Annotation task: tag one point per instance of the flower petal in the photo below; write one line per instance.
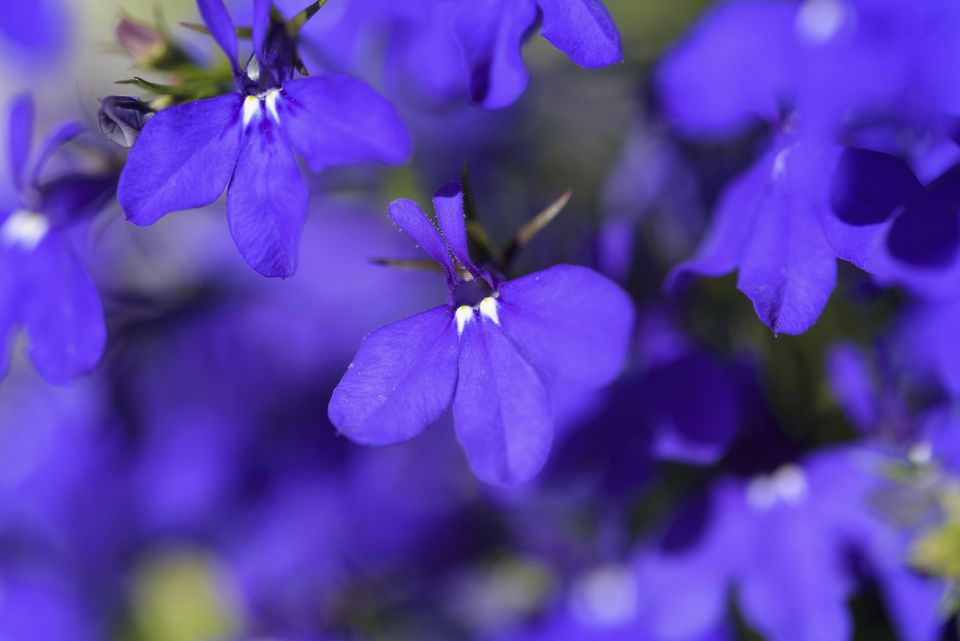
(21, 134)
(491, 34)
(182, 159)
(720, 251)
(62, 313)
(927, 233)
(218, 21)
(869, 186)
(401, 380)
(61, 135)
(716, 81)
(73, 197)
(788, 269)
(501, 408)
(582, 29)
(448, 203)
(572, 323)
(337, 120)
(261, 25)
(267, 202)
(410, 218)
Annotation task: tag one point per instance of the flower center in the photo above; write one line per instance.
(24, 229)
(787, 485)
(254, 105)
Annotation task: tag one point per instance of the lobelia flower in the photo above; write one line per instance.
(829, 63)
(786, 541)
(490, 353)
(431, 41)
(768, 226)
(490, 33)
(186, 155)
(43, 286)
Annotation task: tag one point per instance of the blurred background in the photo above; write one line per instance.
(193, 489)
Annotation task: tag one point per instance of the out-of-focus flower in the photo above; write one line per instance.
(767, 226)
(490, 35)
(431, 42)
(43, 286)
(186, 155)
(35, 32)
(786, 540)
(816, 70)
(488, 349)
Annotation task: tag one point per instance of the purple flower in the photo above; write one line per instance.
(490, 34)
(43, 286)
(768, 227)
(490, 349)
(36, 32)
(186, 155)
(430, 42)
(832, 61)
(786, 541)
(888, 223)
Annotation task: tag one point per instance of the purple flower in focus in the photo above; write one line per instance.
(490, 349)
(186, 155)
(43, 286)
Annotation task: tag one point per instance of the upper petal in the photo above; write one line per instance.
(501, 408)
(217, 19)
(573, 323)
(582, 29)
(60, 136)
(448, 203)
(715, 80)
(21, 134)
(182, 159)
(400, 381)
(410, 218)
(267, 201)
(261, 25)
(490, 34)
(337, 120)
(62, 313)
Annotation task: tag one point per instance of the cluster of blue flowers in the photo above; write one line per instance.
(585, 435)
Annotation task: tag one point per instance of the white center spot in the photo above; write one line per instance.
(921, 454)
(818, 21)
(787, 485)
(606, 597)
(488, 308)
(24, 229)
(251, 109)
(253, 106)
(464, 315)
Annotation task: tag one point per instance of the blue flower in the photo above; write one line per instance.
(768, 227)
(490, 34)
(43, 286)
(784, 540)
(491, 353)
(431, 42)
(186, 155)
